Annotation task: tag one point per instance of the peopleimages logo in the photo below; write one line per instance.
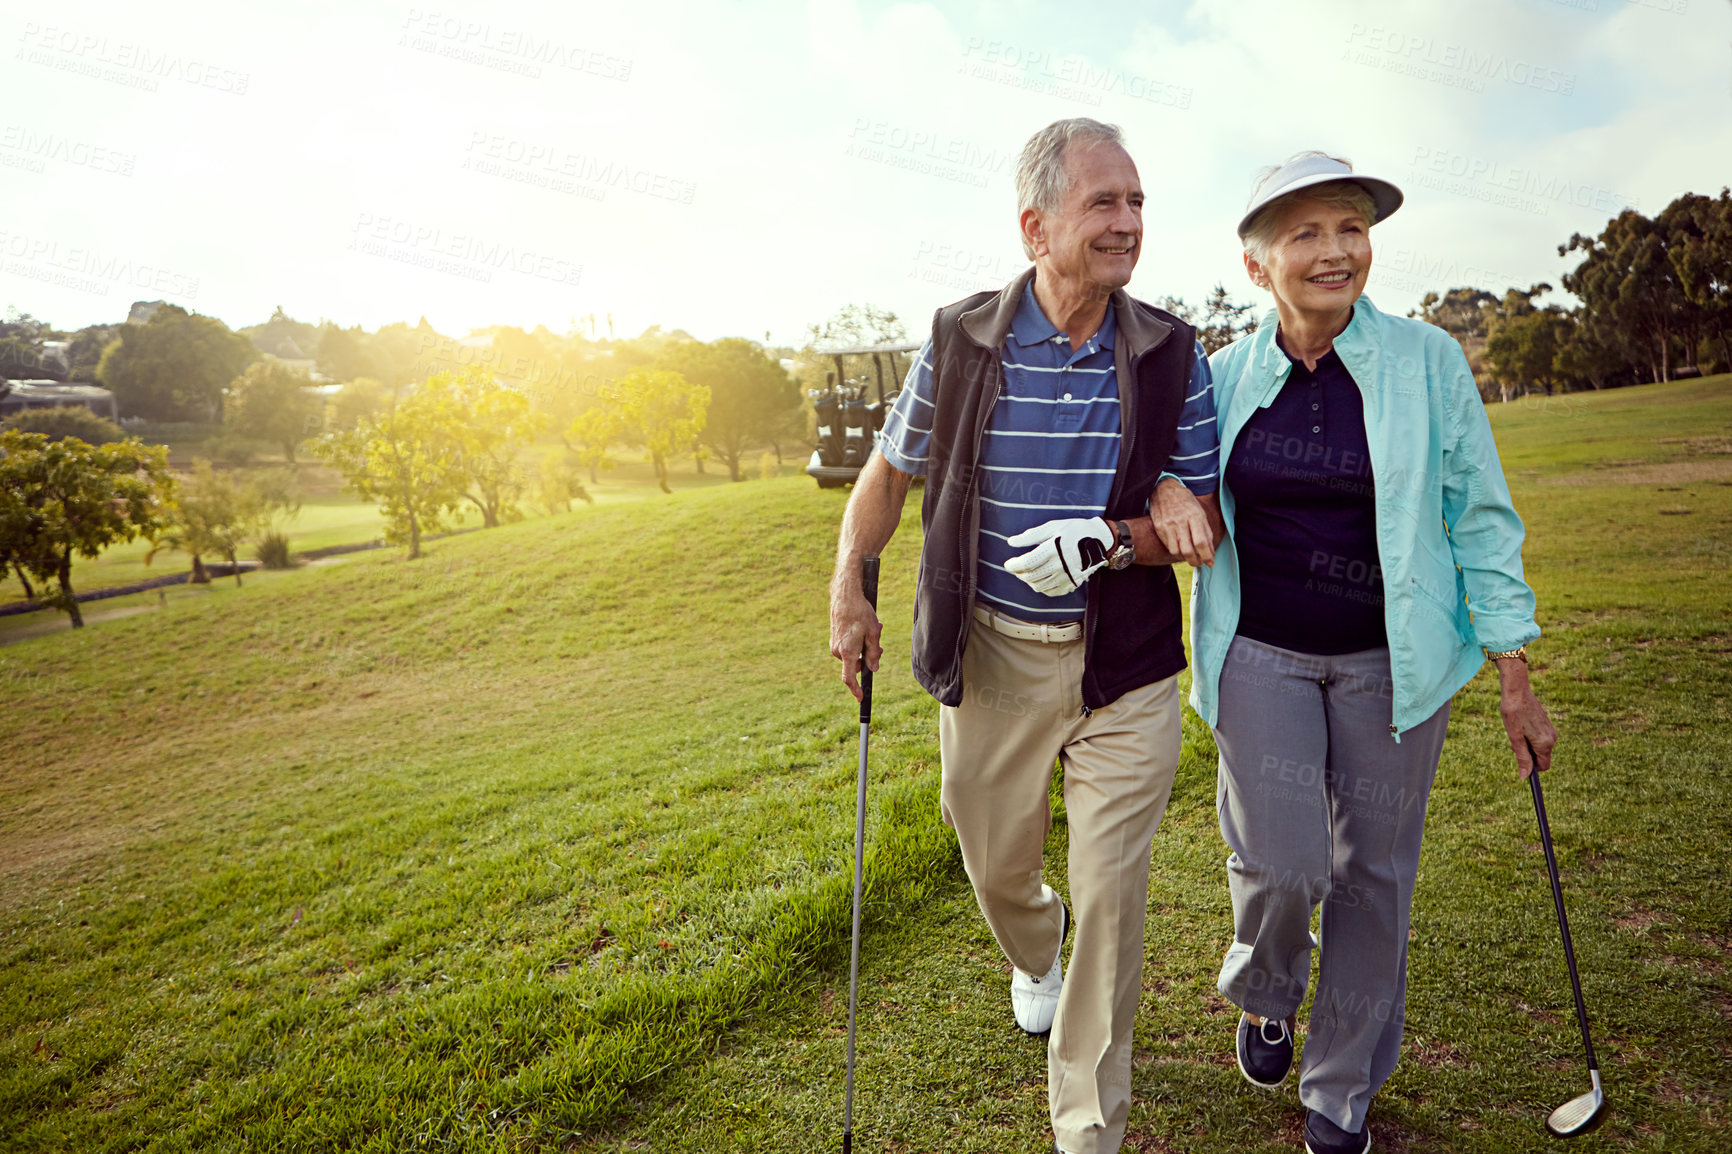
(457, 253)
(1455, 65)
(1513, 185)
(122, 62)
(549, 165)
(89, 269)
(1066, 77)
(39, 147)
(504, 49)
(926, 152)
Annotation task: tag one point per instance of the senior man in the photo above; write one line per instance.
(1066, 433)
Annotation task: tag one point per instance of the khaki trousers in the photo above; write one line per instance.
(1023, 709)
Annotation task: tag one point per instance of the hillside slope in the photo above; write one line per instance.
(543, 841)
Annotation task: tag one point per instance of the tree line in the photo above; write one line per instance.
(255, 382)
(1655, 300)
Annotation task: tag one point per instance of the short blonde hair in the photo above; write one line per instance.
(1344, 193)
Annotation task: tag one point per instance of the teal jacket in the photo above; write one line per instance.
(1448, 539)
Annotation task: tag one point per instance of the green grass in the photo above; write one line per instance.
(542, 842)
(329, 515)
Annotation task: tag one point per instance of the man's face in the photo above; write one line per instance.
(1097, 234)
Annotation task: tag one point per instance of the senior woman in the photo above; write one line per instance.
(1373, 562)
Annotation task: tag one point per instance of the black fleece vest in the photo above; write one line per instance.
(1132, 623)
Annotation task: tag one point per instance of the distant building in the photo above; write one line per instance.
(58, 354)
(16, 396)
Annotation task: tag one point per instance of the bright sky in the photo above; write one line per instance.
(743, 168)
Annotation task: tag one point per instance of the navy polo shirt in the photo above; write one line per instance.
(1305, 521)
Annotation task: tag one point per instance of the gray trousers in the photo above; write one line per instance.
(1322, 806)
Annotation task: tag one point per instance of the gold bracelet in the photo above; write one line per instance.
(1520, 653)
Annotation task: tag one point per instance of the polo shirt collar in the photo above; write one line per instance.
(1030, 325)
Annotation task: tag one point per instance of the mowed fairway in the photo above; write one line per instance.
(542, 843)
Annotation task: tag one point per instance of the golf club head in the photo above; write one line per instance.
(1580, 1114)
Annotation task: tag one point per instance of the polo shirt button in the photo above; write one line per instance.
(1314, 407)
(1316, 428)
(1067, 396)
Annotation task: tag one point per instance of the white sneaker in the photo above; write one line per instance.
(1035, 1000)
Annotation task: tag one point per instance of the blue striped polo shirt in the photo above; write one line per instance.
(1051, 445)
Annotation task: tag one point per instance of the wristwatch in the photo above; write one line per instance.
(1520, 653)
(1124, 552)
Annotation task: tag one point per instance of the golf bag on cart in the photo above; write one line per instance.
(856, 431)
(829, 409)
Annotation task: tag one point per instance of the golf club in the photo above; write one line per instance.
(1586, 1111)
(869, 586)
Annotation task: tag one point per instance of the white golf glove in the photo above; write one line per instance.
(1067, 551)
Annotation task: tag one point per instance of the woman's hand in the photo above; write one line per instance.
(1531, 733)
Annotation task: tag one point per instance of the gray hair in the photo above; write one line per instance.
(1041, 179)
(1346, 194)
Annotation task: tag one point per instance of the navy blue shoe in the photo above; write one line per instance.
(1324, 1137)
(1265, 1051)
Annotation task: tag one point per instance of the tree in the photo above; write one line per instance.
(1460, 312)
(1220, 323)
(486, 426)
(519, 355)
(360, 398)
(750, 396)
(271, 402)
(398, 350)
(284, 336)
(213, 513)
(344, 354)
(25, 328)
(1223, 321)
(60, 498)
(558, 481)
(1699, 245)
(591, 435)
(277, 494)
(64, 421)
(666, 411)
(855, 325)
(20, 359)
(1593, 352)
(406, 461)
(1625, 278)
(1523, 340)
(84, 352)
(175, 366)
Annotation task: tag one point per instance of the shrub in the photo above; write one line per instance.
(231, 449)
(273, 551)
(66, 421)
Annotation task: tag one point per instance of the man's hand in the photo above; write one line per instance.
(871, 517)
(1066, 552)
(853, 624)
(1181, 523)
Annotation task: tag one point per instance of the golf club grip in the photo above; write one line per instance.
(1558, 901)
(868, 586)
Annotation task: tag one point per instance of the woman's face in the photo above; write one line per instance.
(1319, 258)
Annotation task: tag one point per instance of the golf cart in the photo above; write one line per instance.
(848, 423)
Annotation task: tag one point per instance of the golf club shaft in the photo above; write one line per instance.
(1558, 900)
(869, 586)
